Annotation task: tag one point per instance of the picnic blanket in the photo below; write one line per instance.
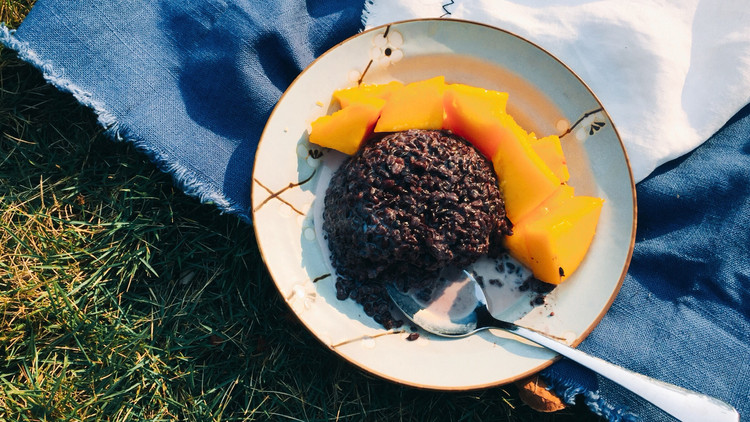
(192, 82)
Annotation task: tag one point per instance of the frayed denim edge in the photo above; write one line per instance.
(366, 13)
(568, 390)
(441, 12)
(112, 129)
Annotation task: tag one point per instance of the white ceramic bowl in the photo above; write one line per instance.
(546, 97)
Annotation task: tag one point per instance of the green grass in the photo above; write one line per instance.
(123, 299)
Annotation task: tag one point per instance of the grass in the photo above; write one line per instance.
(123, 299)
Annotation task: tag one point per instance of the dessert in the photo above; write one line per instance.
(402, 207)
(407, 205)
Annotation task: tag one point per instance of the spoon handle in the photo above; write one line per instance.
(683, 404)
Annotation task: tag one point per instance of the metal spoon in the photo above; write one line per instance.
(456, 309)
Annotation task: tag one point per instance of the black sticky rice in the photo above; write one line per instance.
(405, 206)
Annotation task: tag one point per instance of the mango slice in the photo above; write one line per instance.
(516, 243)
(360, 93)
(346, 129)
(478, 105)
(479, 98)
(551, 152)
(558, 241)
(525, 179)
(418, 105)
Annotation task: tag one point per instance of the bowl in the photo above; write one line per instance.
(290, 176)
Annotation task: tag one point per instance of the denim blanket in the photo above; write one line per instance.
(192, 82)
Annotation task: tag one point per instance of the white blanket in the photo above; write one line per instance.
(670, 73)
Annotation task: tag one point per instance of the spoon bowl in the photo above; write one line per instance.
(457, 308)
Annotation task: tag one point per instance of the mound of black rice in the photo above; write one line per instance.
(404, 207)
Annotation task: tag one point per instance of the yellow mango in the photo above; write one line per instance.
(525, 179)
(558, 241)
(516, 243)
(418, 105)
(346, 129)
(551, 152)
(479, 98)
(469, 110)
(347, 96)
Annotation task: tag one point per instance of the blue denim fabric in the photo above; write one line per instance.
(683, 313)
(192, 82)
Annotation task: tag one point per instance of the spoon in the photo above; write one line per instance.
(457, 309)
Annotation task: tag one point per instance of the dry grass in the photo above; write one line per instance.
(12, 12)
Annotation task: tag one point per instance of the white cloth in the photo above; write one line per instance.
(670, 73)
